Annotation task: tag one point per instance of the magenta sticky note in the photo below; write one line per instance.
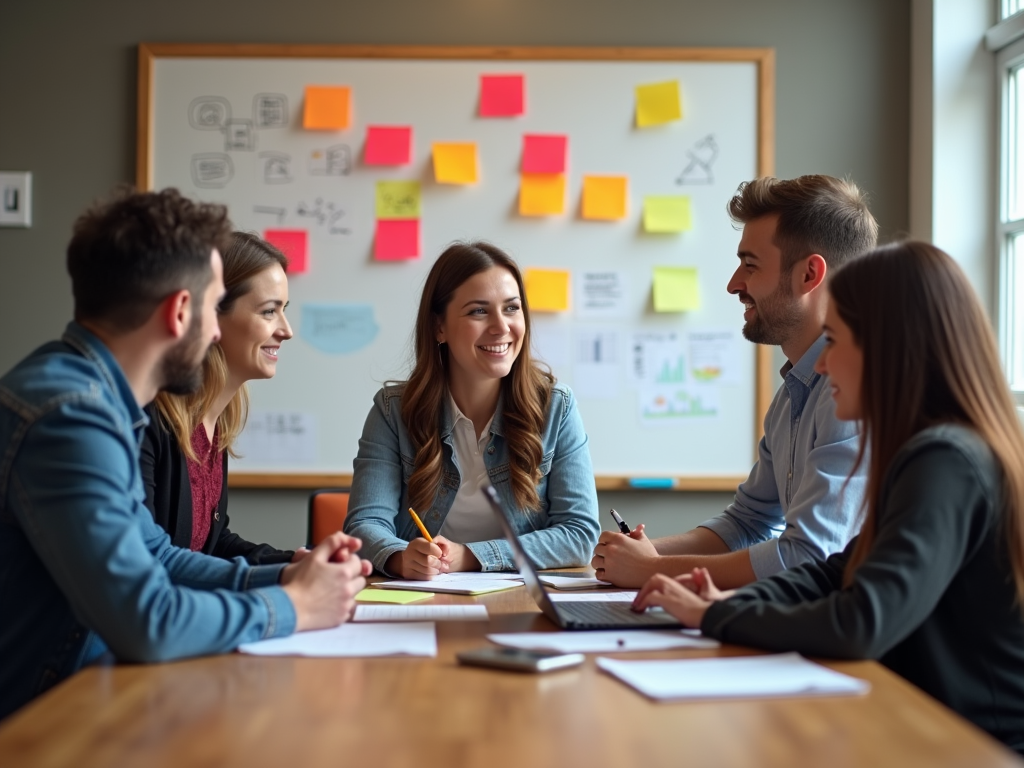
(388, 145)
(293, 243)
(501, 95)
(397, 239)
(544, 153)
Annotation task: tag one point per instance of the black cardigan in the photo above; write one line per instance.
(934, 600)
(169, 498)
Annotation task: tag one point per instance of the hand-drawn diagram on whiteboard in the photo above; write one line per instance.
(702, 157)
(270, 110)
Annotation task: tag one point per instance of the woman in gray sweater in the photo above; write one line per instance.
(933, 587)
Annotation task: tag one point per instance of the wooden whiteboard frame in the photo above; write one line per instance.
(762, 58)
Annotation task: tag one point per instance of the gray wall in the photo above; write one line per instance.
(68, 115)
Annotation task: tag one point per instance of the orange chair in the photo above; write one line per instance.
(327, 510)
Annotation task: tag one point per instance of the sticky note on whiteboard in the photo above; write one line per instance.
(544, 153)
(388, 145)
(604, 197)
(398, 199)
(327, 107)
(501, 95)
(294, 244)
(667, 213)
(676, 289)
(658, 103)
(541, 194)
(455, 162)
(547, 290)
(397, 239)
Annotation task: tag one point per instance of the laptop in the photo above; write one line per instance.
(573, 615)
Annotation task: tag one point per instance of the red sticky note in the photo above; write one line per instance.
(501, 95)
(544, 153)
(397, 239)
(388, 145)
(293, 243)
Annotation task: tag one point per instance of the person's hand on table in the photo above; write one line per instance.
(625, 561)
(323, 585)
(699, 581)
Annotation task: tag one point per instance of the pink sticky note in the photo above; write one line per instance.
(544, 153)
(388, 145)
(293, 243)
(397, 239)
(501, 95)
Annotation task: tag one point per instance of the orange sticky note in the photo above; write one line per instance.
(294, 244)
(455, 162)
(658, 103)
(604, 197)
(541, 194)
(547, 290)
(397, 239)
(326, 107)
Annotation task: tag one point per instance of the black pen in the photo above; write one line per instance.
(620, 522)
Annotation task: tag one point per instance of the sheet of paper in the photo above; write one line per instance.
(544, 153)
(541, 194)
(420, 613)
(676, 289)
(666, 405)
(397, 239)
(604, 641)
(592, 597)
(327, 107)
(604, 197)
(390, 639)
(276, 438)
(570, 582)
(446, 578)
(388, 145)
(745, 677)
(293, 243)
(337, 328)
(714, 356)
(596, 371)
(479, 586)
(602, 293)
(396, 596)
(547, 290)
(455, 162)
(667, 213)
(398, 199)
(551, 343)
(501, 95)
(658, 103)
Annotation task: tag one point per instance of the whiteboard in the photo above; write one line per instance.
(200, 105)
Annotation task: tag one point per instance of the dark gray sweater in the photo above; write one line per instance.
(934, 600)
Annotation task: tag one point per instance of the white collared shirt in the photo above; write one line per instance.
(470, 518)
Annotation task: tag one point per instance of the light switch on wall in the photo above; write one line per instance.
(15, 199)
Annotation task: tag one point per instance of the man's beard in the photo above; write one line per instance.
(775, 317)
(183, 364)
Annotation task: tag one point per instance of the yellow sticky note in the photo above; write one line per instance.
(399, 596)
(604, 197)
(658, 103)
(547, 290)
(676, 289)
(667, 213)
(398, 199)
(541, 194)
(326, 107)
(455, 163)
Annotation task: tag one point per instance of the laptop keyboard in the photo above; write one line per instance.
(612, 615)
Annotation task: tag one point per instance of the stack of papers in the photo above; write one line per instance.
(750, 677)
(420, 613)
(460, 583)
(604, 640)
(408, 639)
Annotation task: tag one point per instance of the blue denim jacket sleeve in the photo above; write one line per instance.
(148, 600)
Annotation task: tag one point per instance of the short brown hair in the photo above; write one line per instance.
(129, 253)
(817, 214)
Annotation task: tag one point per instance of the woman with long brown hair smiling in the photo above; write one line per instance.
(933, 587)
(475, 409)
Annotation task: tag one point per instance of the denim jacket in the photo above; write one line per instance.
(562, 533)
(83, 567)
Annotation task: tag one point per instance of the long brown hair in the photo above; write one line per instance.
(245, 257)
(525, 391)
(930, 358)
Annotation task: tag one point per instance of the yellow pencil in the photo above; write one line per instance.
(420, 525)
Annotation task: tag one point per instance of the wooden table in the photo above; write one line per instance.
(252, 711)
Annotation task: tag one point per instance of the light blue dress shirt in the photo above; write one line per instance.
(800, 502)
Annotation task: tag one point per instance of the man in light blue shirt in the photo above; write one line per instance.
(800, 501)
(83, 567)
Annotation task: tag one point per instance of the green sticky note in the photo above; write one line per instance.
(399, 596)
(667, 213)
(676, 289)
(398, 200)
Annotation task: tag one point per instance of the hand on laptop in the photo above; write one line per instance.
(625, 561)
(682, 602)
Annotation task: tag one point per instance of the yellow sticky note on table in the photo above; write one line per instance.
(399, 596)
(455, 163)
(398, 199)
(547, 290)
(667, 213)
(676, 289)
(658, 103)
(326, 107)
(541, 194)
(604, 197)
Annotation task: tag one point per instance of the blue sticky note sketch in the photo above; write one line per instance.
(338, 329)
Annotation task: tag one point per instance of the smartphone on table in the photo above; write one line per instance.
(520, 659)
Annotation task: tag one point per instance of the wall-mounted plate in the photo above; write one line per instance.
(15, 199)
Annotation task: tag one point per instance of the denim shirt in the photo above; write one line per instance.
(793, 507)
(562, 533)
(83, 567)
